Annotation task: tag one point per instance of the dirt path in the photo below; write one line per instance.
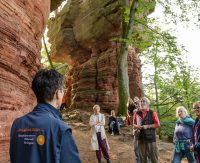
(121, 146)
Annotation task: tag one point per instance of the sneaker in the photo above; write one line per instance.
(112, 133)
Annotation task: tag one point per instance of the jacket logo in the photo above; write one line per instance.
(40, 139)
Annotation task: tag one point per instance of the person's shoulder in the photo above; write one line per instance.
(152, 111)
(59, 123)
(20, 119)
(15, 122)
(92, 116)
(190, 118)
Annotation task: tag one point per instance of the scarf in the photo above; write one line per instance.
(180, 144)
(187, 121)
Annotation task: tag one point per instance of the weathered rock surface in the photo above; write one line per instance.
(55, 4)
(21, 27)
(81, 37)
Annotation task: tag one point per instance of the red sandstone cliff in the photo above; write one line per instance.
(22, 24)
(81, 37)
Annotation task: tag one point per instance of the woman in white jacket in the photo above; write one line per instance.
(99, 141)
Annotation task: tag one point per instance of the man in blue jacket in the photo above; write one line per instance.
(41, 136)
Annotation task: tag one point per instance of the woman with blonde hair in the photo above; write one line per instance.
(99, 142)
(183, 136)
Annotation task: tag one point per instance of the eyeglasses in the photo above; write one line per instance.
(196, 108)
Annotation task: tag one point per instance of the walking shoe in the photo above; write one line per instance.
(112, 133)
(108, 161)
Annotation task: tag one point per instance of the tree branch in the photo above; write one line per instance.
(168, 110)
(132, 18)
(48, 56)
(125, 5)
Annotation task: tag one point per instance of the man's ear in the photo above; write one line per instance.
(56, 96)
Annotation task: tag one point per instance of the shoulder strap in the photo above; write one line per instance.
(149, 114)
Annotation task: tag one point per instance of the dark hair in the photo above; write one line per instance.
(46, 83)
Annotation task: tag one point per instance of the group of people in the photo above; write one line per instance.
(42, 136)
(144, 120)
(187, 135)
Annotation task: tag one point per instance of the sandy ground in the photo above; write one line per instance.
(121, 146)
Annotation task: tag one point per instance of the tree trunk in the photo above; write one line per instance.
(123, 80)
(122, 67)
(156, 87)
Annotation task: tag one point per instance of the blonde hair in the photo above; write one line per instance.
(112, 112)
(96, 106)
(130, 101)
(182, 108)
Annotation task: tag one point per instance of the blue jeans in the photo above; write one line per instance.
(135, 147)
(178, 156)
(113, 125)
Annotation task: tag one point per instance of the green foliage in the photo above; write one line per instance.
(171, 82)
(181, 11)
(166, 87)
(60, 67)
(168, 128)
(126, 13)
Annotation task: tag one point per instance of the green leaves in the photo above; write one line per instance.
(126, 13)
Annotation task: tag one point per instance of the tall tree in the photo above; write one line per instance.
(128, 19)
(174, 11)
(132, 11)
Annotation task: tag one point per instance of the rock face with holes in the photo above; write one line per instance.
(21, 27)
(81, 35)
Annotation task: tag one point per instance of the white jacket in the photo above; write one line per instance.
(97, 128)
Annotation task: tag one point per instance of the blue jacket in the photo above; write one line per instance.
(41, 136)
(184, 129)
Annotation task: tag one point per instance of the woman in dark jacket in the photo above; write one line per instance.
(113, 124)
(131, 110)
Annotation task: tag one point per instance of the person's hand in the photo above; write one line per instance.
(137, 127)
(192, 148)
(188, 141)
(100, 123)
(145, 127)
